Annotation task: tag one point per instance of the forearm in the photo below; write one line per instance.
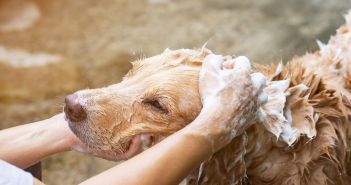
(26, 144)
(168, 162)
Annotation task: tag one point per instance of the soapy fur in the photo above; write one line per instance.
(304, 139)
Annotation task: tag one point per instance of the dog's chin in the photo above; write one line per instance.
(133, 147)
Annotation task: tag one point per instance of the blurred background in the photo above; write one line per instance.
(49, 49)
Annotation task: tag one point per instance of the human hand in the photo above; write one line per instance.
(70, 140)
(61, 130)
(231, 99)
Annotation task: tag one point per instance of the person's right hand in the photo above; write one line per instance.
(230, 98)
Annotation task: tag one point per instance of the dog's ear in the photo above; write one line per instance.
(290, 112)
(297, 101)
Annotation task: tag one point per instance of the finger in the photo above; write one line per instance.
(258, 81)
(213, 62)
(242, 63)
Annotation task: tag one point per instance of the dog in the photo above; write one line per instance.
(304, 138)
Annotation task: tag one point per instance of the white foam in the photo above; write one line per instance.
(261, 115)
(262, 98)
(258, 80)
(242, 62)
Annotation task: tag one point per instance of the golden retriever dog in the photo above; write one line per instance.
(304, 138)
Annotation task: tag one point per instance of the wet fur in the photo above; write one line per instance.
(305, 138)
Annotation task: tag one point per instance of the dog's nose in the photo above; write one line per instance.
(73, 109)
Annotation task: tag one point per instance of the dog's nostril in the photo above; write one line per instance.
(73, 109)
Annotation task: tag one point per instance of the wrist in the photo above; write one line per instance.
(202, 129)
(59, 133)
(195, 139)
(210, 125)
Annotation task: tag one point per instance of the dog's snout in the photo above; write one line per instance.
(73, 109)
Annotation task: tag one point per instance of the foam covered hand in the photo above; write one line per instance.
(231, 97)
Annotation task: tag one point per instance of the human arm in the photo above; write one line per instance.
(27, 144)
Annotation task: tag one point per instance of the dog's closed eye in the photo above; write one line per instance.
(156, 105)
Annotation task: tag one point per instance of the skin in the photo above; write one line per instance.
(220, 120)
(39, 139)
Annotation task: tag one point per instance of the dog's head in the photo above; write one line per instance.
(156, 98)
